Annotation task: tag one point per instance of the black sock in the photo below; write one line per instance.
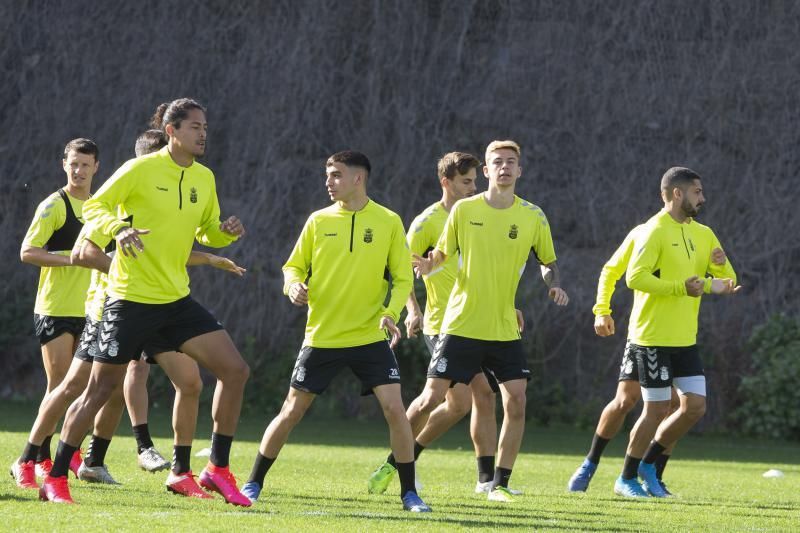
(44, 449)
(598, 446)
(501, 477)
(30, 453)
(661, 464)
(181, 459)
(417, 449)
(220, 449)
(485, 468)
(652, 453)
(391, 460)
(64, 453)
(260, 469)
(96, 455)
(142, 435)
(406, 473)
(630, 469)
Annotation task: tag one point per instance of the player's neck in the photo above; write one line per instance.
(79, 193)
(356, 203)
(180, 157)
(499, 198)
(447, 202)
(676, 213)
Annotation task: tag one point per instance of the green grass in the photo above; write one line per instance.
(319, 484)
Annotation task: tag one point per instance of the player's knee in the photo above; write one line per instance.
(655, 410)
(461, 407)
(292, 412)
(190, 387)
(624, 404)
(515, 406)
(430, 400)
(394, 410)
(69, 391)
(695, 408)
(237, 372)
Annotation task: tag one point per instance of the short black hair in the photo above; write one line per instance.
(680, 177)
(149, 142)
(82, 146)
(350, 158)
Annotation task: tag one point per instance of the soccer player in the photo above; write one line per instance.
(171, 199)
(186, 379)
(58, 311)
(349, 246)
(667, 274)
(181, 369)
(494, 233)
(457, 173)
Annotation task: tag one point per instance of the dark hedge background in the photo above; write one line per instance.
(603, 97)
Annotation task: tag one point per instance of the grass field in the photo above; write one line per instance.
(319, 484)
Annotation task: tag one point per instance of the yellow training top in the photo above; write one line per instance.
(612, 272)
(345, 256)
(494, 245)
(62, 289)
(177, 204)
(422, 236)
(665, 254)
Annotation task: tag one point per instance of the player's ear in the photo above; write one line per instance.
(486, 171)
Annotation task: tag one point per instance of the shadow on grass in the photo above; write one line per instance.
(552, 440)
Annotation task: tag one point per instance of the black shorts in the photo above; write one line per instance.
(460, 358)
(128, 327)
(430, 343)
(628, 369)
(87, 345)
(48, 328)
(657, 365)
(374, 364)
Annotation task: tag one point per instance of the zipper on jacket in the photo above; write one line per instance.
(685, 245)
(180, 192)
(352, 230)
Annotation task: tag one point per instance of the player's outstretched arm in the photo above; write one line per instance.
(128, 240)
(552, 278)
(216, 261)
(34, 255)
(425, 265)
(89, 255)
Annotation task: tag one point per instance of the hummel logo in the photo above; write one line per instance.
(674, 244)
(473, 223)
(162, 188)
(330, 234)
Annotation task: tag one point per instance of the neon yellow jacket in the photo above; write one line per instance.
(665, 254)
(177, 204)
(345, 256)
(612, 272)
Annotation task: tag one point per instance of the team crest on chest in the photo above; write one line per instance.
(368, 235)
(193, 195)
(513, 231)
